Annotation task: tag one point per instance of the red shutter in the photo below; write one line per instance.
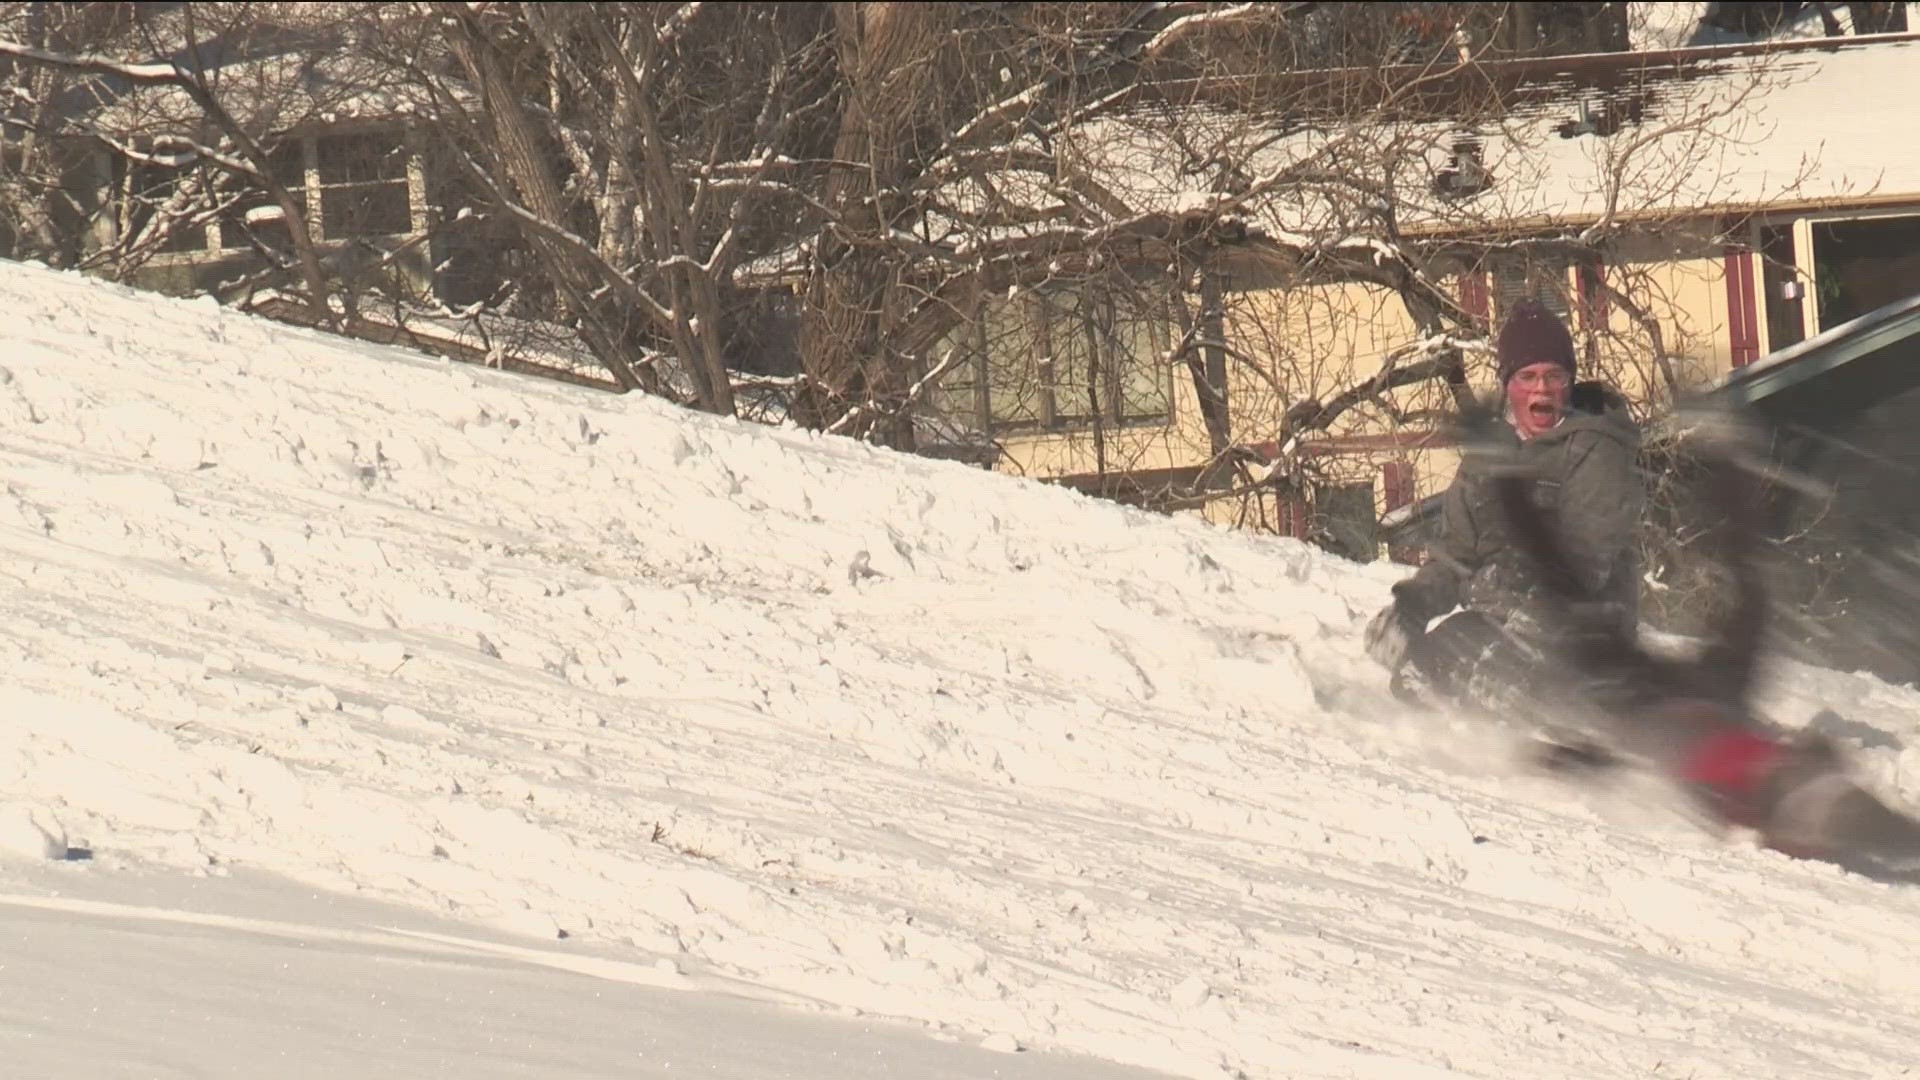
(1476, 297)
(1397, 482)
(1293, 516)
(1743, 321)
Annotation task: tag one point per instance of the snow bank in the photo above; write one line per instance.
(881, 734)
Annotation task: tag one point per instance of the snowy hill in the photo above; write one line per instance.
(862, 732)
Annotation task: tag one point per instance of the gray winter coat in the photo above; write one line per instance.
(1588, 477)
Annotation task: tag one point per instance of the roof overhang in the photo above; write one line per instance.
(1857, 339)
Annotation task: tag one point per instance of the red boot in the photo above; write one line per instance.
(1728, 770)
(1800, 796)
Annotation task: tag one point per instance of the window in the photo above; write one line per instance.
(1140, 381)
(1347, 520)
(1015, 363)
(1057, 360)
(959, 394)
(1571, 286)
(1863, 264)
(1540, 279)
(256, 216)
(361, 179)
(363, 185)
(1400, 486)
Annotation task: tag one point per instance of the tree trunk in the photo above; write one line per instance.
(1878, 18)
(1204, 355)
(888, 54)
(1212, 328)
(699, 321)
(526, 162)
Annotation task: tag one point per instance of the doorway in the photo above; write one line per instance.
(1864, 264)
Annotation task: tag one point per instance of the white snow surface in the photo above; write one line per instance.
(264, 977)
(843, 731)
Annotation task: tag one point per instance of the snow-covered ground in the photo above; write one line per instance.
(843, 736)
(145, 974)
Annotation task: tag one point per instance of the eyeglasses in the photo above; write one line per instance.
(1550, 379)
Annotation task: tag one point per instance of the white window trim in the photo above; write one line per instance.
(1802, 224)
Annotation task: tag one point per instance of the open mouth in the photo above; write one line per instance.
(1542, 412)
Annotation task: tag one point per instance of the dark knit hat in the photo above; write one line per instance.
(1534, 335)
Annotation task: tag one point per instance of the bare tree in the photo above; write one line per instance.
(642, 152)
(1489, 177)
(42, 215)
(191, 129)
(905, 163)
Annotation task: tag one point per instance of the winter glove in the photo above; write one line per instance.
(1391, 634)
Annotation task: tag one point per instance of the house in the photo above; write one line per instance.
(1797, 210)
(346, 150)
(341, 133)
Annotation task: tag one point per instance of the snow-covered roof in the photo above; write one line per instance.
(271, 94)
(1673, 134)
(1680, 25)
(1798, 124)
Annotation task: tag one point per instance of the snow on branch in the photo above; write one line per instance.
(676, 24)
(998, 111)
(1312, 415)
(1014, 108)
(1185, 24)
(948, 362)
(179, 153)
(149, 74)
(1436, 345)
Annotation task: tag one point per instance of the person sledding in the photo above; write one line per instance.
(1692, 715)
(1537, 553)
(1579, 445)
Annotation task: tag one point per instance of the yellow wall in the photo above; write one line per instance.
(1290, 344)
(1682, 284)
(1296, 344)
(1308, 343)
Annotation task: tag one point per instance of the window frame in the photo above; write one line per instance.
(310, 193)
(319, 187)
(1050, 384)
